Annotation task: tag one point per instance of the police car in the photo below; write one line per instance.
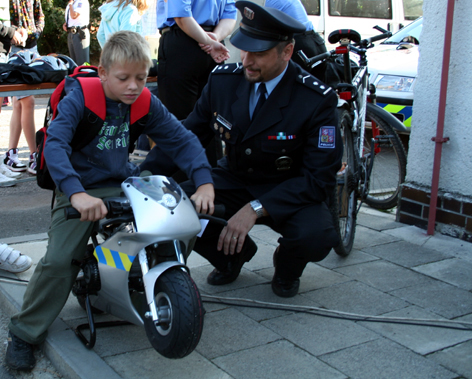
(393, 67)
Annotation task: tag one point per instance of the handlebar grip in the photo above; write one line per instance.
(219, 211)
(380, 36)
(71, 213)
(317, 58)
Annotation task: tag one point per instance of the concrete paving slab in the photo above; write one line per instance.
(406, 254)
(453, 271)
(229, 331)
(421, 339)
(456, 358)
(366, 237)
(285, 361)
(147, 364)
(439, 242)
(438, 297)
(263, 293)
(378, 222)
(320, 335)
(333, 260)
(385, 359)
(314, 277)
(383, 275)
(356, 297)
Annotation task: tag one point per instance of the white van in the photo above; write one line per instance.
(361, 15)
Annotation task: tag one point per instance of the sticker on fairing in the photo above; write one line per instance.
(327, 137)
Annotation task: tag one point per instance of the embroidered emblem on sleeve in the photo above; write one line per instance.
(327, 137)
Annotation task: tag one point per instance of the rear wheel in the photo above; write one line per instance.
(180, 311)
(389, 168)
(345, 203)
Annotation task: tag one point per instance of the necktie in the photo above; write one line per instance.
(262, 98)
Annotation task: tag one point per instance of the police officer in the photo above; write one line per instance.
(189, 48)
(78, 35)
(283, 150)
(309, 41)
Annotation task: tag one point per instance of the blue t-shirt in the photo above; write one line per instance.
(293, 8)
(205, 12)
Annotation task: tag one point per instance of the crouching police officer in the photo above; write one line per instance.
(283, 150)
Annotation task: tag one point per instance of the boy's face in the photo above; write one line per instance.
(123, 82)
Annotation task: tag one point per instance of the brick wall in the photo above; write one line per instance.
(453, 213)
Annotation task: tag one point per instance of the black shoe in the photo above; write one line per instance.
(233, 268)
(19, 354)
(284, 287)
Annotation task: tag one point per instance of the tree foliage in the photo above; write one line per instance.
(54, 39)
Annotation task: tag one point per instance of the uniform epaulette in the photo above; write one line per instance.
(315, 84)
(229, 68)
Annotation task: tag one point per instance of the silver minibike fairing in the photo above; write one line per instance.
(163, 215)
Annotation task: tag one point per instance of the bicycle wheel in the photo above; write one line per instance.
(345, 204)
(389, 168)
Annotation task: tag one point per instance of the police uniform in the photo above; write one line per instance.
(183, 66)
(78, 34)
(309, 41)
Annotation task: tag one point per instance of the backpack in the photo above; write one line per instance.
(92, 121)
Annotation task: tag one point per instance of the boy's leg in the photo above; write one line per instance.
(54, 276)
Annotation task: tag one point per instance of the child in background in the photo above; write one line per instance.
(120, 15)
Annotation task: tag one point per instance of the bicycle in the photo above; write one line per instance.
(374, 159)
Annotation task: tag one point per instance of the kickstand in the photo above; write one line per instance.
(92, 326)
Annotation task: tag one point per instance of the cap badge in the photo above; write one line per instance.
(248, 13)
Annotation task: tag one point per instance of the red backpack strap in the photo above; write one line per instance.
(94, 97)
(141, 106)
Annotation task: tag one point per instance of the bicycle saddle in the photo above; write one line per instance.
(337, 35)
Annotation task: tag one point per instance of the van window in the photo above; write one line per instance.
(361, 8)
(412, 9)
(312, 7)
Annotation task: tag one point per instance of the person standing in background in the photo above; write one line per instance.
(120, 15)
(184, 66)
(26, 15)
(310, 42)
(77, 27)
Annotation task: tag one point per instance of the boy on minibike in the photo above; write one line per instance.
(96, 171)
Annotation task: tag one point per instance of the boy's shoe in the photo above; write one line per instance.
(32, 164)
(12, 260)
(5, 171)
(12, 162)
(5, 181)
(19, 354)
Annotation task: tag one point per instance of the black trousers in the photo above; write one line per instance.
(307, 236)
(182, 72)
(311, 44)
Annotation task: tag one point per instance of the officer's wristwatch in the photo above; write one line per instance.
(258, 208)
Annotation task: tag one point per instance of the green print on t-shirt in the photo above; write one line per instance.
(113, 137)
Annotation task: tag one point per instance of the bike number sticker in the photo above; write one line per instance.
(327, 137)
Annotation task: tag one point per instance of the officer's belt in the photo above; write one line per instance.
(74, 29)
(207, 28)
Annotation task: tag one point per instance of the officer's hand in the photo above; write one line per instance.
(90, 208)
(233, 235)
(204, 199)
(64, 27)
(219, 52)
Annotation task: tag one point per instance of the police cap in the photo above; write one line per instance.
(262, 28)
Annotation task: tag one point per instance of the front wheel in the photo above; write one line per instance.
(180, 311)
(389, 168)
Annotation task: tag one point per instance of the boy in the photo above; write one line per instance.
(84, 177)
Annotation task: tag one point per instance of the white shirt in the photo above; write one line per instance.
(83, 8)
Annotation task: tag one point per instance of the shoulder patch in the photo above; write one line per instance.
(315, 84)
(230, 68)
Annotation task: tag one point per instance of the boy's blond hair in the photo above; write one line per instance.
(125, 47)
